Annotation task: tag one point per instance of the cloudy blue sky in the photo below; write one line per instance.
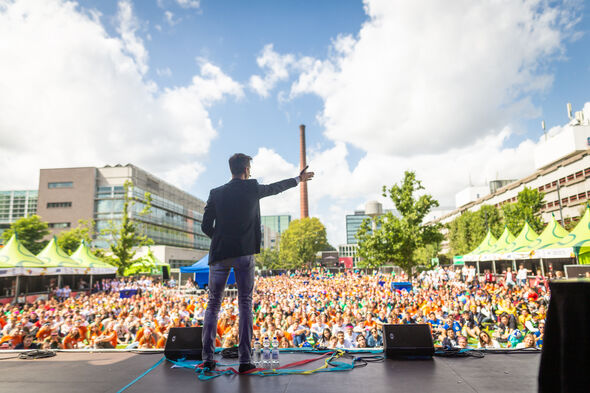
(455, 90)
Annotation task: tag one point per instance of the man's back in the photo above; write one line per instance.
(232, 217)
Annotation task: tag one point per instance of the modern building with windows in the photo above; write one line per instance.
(272, 229)
(67, 195)
(278, 223)
(15, 205)
(353, 223)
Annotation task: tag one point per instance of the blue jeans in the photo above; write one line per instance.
(218, 274)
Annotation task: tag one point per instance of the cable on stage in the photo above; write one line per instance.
(331, 364)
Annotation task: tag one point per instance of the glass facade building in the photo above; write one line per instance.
(174, 217)
(15, 205)
(353, 223)
(277, 224)
(272, 228)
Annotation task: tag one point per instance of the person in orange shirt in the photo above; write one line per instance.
(44, 332)
(72, 339)
(108, 339)
(149, 339)
(369, 322)
(93, 333)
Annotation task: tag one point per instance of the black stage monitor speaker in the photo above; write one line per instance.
(566, 343)
(408, 341)
(184, 343)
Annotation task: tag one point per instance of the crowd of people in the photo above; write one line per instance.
(301, 309)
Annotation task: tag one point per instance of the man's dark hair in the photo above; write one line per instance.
(238, 163)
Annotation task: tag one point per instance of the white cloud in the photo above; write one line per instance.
(74, 96)
(425, 76)
(164, 72)
(338, 190)
(277, 69)
(128, 25)
(268, 167)
(189, 3)
(435, 87)
(169, 16)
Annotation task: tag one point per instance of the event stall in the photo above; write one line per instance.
(17, 261)
(554, 244)
(149, 264)
(201, 271)
(95, 265)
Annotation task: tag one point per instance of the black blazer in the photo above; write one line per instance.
(232, 217)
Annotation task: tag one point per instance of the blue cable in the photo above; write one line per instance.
(142, 375)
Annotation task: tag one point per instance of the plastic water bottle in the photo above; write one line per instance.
(266, 353)
(275, 352)
(256, 352)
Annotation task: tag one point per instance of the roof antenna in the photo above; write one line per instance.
(544, 129)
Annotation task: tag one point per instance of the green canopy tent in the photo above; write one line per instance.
(577, 243)
(53, 254)
(17, 261)
(487, 243)
(505, 239)
(552, 234)
(525, 238)
(91, 262)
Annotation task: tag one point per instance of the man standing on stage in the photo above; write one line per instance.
(232, 221)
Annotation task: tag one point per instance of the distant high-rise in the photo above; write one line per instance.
(353, 223)
(302, 164)
(15, 205)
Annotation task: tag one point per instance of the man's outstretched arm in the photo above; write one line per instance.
(265, 190)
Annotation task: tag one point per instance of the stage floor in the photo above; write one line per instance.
(110, 372)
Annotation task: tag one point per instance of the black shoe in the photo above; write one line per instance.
(210, 364)
(244, 367)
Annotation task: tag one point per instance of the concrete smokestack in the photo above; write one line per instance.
(302, 163)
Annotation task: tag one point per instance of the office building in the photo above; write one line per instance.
(272, 228)
(353, 223)
(348, 251)
(67, 195)
(15, 205)
(278, 223)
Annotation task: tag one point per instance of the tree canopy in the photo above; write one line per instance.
(70, 240)
(468, 230)
(301, 241)
(127, 235)
(268, 259)
(30, 232)
(395, 239)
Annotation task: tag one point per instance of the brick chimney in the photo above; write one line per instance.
(302, 163)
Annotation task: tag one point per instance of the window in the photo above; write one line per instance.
(57, 225)
(52, 205)
(61, 184)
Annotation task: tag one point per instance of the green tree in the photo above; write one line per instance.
(301, 241)
(526, 209)
(70, 240)
(468, 230)
(397, 239)
(30, 231)
(424, 255)
(127, 235)
(268, 259)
